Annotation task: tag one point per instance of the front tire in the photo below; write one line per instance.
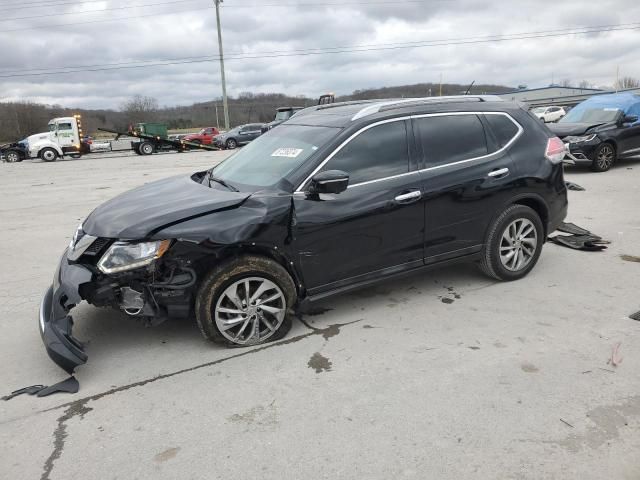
(146, 148)
(603, 158)
(12, 157)
(245, 301)
(231, 144)
(48, 155)
(513, 244)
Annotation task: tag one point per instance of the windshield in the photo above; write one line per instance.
(539, 110)
(591, 115)
(52, 127)
(267, 160)
(283, 115)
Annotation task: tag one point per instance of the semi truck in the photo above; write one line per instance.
(63, 138)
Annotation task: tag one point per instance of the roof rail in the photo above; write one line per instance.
(399, 103)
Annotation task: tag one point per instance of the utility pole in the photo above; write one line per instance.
(225, 105)
(617, 77)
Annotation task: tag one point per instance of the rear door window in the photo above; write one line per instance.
(504, 129)
(375, 154)
(450, 138)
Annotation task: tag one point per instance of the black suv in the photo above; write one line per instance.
(339, 197)
(601, 130)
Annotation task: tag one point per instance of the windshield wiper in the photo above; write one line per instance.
(221, 182)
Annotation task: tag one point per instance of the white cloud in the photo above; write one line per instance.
(189, 30)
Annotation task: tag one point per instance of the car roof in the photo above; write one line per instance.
(344, 114)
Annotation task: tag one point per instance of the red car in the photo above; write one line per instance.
(204, 136)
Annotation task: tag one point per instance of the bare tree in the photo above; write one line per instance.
(140, 109)
(585, 84)
(627, 82)
(566, 83)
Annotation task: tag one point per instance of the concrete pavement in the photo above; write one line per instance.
(443, 375)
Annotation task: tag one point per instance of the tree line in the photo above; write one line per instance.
(21, 119)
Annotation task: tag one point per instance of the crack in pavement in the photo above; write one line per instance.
(79, 407)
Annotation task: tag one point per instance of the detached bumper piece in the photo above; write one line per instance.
(54, 320)
(580, 238)
(65, 350)
(70, 385)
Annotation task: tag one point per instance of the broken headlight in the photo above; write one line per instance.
(123, 256)
(79, 233)
(580, 139)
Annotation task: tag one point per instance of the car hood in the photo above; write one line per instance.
(37, 137)
(140, 212)
(566, 129)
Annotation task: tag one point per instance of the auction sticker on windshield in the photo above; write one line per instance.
(287, 152)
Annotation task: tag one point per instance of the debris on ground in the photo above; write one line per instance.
(70, 385)
(635, 316)
(616, 358)
(580, 238)
(574, 186)
(573, 229)
(630, 258)
(566, 423)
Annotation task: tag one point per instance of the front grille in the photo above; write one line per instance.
(97, 246)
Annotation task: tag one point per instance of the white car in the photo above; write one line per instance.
(549, 114)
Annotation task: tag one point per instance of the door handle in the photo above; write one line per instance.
(501, 172)
(408, 197)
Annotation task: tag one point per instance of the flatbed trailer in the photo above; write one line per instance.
(149, 144)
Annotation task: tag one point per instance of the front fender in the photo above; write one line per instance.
(39, 146)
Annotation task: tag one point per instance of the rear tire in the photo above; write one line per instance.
(48, 155)
(146, 148)
(513, 244)
(222, 300)
(603, 158)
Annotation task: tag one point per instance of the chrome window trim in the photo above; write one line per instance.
(411, 117)
(341, 146)
(459, 162)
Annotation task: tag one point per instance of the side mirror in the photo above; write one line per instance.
(629, 119)
(331, 181)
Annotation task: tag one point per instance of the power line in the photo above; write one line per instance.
(118, 19)
(343, 49)
(108, 20)
(251, 5)
(126, 7)
(569, 31)
(40, 4)
(248, 5)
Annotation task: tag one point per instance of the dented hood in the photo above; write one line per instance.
(564, 129)
(139, 212)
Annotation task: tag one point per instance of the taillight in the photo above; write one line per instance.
(555, 150)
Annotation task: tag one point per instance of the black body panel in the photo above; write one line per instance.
(137, 213)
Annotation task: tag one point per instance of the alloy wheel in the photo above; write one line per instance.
(12, 157)
(518, 244)
(605, 157)
(250, 310)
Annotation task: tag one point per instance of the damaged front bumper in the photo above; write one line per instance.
(579, 154)
(55, 323)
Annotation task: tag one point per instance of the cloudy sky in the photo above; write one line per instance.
(291, 46)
